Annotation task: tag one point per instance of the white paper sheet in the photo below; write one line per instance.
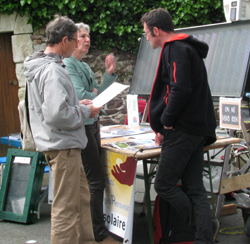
(108, 94)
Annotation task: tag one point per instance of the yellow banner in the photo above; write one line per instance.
(120, 174)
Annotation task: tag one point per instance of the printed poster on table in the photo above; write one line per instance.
(132, 109)
(120, 175)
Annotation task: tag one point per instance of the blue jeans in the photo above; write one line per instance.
(93, 168)
(182, 158)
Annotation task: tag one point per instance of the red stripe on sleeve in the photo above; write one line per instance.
(174, 71)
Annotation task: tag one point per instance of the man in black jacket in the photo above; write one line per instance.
(181, 114)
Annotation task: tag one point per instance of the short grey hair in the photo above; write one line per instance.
(83, 26)
(58, 28)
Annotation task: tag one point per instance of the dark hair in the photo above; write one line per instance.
(58, 28)
(159, 18)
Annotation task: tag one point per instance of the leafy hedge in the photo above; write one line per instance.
(116, 23)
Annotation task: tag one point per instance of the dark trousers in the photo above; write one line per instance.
(94, 171)
(182, 158)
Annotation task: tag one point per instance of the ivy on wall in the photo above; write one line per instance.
(116, 23)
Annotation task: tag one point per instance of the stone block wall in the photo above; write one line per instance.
(21, 42)
(116, 109)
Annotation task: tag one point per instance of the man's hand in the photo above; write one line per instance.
(168, 128)
(85, 102)
(94, 110)
(158, 139)
(110, 64)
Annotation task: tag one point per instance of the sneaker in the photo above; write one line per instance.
(215, 226)
(109, 240)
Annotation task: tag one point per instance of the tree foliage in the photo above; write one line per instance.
(115, 23)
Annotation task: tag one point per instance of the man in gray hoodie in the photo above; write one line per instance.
(57, 122)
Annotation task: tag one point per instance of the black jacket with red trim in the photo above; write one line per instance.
(180, 95)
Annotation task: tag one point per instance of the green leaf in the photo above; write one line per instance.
(129, 29)
(60, 5)
(99, 2)
(22, 2)
(34, 4)
(72, 11)
(72, 4)
(7, 7)
(124, 11)
(102, 15)
(83, 8)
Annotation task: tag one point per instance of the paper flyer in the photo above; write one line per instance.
(108, 94)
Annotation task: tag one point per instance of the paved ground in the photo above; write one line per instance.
(16, 233)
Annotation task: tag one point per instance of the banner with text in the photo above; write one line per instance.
(120, 174)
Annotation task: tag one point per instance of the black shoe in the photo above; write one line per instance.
(215, 226)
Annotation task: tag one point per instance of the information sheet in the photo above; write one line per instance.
(108, 94)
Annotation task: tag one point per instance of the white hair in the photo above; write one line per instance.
(83, 26)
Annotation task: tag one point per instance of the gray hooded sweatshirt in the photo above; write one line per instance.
(56, 118)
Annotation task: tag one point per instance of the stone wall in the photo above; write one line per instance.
(21, 42)
(116, 108)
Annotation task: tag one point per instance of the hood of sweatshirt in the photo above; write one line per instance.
(200, 46)
(37, 61)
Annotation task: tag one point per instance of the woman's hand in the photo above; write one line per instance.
(110, 64)
(95, 91)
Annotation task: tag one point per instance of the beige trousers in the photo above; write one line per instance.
(70, 214)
